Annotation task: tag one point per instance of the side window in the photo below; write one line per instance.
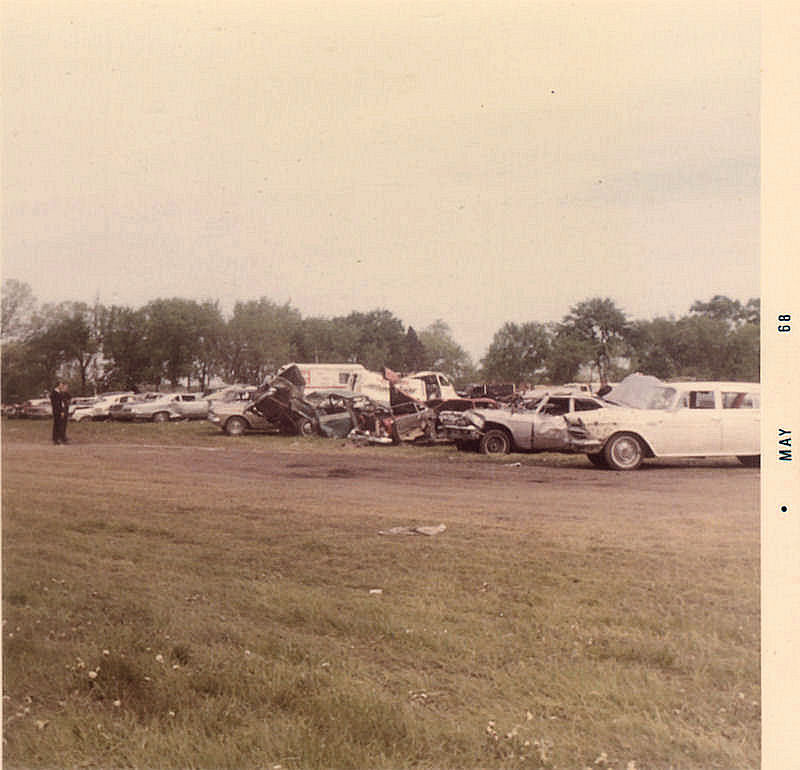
(556, 406)
(701, 399)
(740, 401)
(344, 378)
(585, 404)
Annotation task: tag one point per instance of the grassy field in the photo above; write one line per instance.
(174, 598)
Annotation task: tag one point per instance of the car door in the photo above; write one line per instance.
(549, 425)
(692, 427)
(741, 421)
(194, 406)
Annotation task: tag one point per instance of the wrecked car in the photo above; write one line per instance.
(422, 386)
(343, 414)
(646, 417)
(536, 425)
(280, 402)
(449, 412)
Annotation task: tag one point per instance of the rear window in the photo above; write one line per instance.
(739, 400)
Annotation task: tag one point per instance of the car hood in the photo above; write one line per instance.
(638, 391)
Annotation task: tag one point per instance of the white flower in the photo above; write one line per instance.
(159, 658)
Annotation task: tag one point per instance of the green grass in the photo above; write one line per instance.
(159, 613)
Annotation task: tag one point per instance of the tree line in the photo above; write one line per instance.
(185, 342)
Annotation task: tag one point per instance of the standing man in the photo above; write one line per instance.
(59, 399)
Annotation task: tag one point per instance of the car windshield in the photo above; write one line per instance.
(642, 391)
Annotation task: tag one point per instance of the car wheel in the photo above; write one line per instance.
(305, 427)
(161, 417)
(624, 452)
(750, 461)
(598, 459)
(235, 426)
(495, 442)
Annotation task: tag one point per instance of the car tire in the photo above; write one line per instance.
(750, 461)
(395, 434)
(598, 459)
(161, 417)
(235, 426)
(624, 452)
(305, 427)
(495, 442)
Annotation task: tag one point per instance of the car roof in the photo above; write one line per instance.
(715, 385)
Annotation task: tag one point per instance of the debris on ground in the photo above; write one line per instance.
(424, 530)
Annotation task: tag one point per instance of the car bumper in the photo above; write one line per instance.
(460, 433)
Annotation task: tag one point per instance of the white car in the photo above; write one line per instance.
(169, 406)
(646, 417)
(100, 409)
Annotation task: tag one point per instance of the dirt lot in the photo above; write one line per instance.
(384, 481)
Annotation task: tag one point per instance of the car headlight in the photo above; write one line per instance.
(475, 419)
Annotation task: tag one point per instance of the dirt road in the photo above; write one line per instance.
(398, 486)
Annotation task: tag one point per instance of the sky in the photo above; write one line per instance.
(477, 162)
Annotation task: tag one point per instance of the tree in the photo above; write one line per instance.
(414, 353)
(744, 354)
(210, 335)
(126, 346)
(79, 337)
(172, 344)
(653, 348)
(701, 347)
(517, 353)
(261, 337)
(64, 342)
(567, 353)
(376, 339)
(720, 308)
(602, 326)
(444, 354)
(18, 305)
(326, 340)
(752, 311)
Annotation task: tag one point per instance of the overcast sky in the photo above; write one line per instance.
(479, 162)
